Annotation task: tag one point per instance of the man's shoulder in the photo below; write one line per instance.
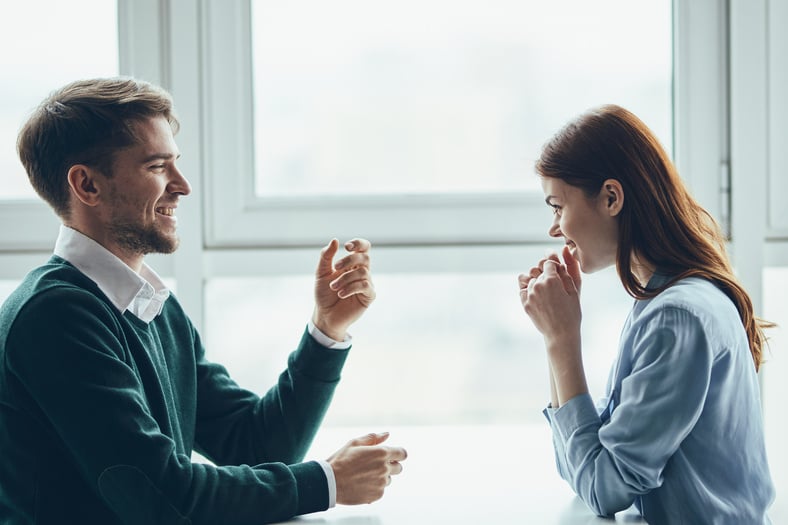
(51, 284)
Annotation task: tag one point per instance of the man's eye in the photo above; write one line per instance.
(556, 210)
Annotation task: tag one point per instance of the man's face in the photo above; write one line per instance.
(143, 193)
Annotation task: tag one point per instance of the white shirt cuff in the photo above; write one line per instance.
(326, 341)
(331, 481)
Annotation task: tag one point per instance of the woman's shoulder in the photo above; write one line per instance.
(693, 290)
(696, 297)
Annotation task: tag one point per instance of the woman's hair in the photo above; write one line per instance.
(85, 122)
(659, 222)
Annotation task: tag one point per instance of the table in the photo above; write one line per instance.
(457, 475)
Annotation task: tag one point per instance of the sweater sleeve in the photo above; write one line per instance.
(236, 426)
(67, 352)
(609, 465)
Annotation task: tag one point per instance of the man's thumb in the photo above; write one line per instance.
(371, 439)
(326, 264)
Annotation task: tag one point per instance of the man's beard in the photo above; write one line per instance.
(141, 240)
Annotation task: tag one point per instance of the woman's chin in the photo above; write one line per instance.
(587, 266)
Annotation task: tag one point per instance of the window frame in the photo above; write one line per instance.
(35, 224)
(186, 52)
(236, 217)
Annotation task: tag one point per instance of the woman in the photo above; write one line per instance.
(680, 432)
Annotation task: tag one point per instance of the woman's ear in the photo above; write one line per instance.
(613, 195)
(82, 181)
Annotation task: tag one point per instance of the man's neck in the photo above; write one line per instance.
(132, 260)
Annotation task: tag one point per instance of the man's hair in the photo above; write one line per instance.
(86, 122)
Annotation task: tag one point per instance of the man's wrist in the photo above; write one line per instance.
(324, 339)
(333, 332)
(331, 481)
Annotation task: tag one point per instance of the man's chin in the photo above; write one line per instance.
(145, 242)
(165, 246)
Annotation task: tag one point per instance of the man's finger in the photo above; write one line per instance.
(326, 266)
(355, 259)
(362, 287)
(397, 454)
(370, 439)
(395, 467)
(358, 245)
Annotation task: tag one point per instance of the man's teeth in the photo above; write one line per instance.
(166, 211)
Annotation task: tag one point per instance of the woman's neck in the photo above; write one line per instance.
(642, 269)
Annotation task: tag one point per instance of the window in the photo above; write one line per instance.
(775, 369)
(413, 124)
(46, 43)
(6, 287)
(70, 40)
(418, 123)
(416, 126)
(445, 348)
(434, 95)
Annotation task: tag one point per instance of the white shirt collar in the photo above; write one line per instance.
(143, 294)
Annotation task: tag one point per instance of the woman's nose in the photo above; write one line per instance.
(555, 230)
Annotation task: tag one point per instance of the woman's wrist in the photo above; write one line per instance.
(566, 363)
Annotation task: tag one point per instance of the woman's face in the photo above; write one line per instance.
(589, 226)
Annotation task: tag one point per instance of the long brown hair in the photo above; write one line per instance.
(660, 222)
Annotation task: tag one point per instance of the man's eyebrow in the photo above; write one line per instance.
(547, 200)
(160, 156)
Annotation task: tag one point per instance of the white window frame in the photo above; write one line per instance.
(700, 102)
(236, 217)
(777, 118)
(142, 36)
(200, 51)
(759, 133)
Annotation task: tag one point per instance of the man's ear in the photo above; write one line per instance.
(83, 184)
(613, 195)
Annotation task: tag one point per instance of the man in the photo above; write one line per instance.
(104, 386)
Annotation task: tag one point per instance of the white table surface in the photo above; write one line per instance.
(488, 475)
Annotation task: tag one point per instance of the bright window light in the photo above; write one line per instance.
(418, 96)
(47, 44)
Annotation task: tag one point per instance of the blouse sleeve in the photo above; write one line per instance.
(610, 464)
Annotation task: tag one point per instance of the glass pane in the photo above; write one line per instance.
(438, 95)
(774, 371)
(464, 353)
(6, 287)
(47, 43)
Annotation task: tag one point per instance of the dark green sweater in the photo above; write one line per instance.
(99, 414)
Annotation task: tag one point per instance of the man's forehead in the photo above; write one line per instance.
(154, 138)
(157, 125)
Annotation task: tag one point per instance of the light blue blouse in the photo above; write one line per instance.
(680, 432)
